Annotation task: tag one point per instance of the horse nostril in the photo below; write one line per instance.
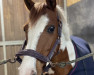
(33, 72)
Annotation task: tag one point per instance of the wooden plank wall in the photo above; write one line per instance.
(1, 57)
(0, 34)
(12, 68)
(15, 16)
(0, 29)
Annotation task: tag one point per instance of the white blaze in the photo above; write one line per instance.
(34, 32)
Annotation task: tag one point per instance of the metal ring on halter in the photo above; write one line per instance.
(13, 60)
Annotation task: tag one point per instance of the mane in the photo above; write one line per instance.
(65, 37)
(65, 27)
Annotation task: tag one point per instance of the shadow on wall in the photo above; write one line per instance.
(81, 19)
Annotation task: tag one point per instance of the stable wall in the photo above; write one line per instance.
(81, 20)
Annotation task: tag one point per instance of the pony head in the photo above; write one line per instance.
(41, 34)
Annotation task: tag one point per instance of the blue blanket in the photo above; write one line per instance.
(86, 66)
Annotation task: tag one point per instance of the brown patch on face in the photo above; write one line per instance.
(47, 40)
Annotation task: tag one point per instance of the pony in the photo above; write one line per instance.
(41, 33)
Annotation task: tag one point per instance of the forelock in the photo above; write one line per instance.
(37, 11)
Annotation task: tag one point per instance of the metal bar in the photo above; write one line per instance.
(8, 43)
(65, 8)
(3, 34)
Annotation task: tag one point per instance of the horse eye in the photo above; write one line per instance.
(50, 29)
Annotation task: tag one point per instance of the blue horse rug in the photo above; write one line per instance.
(86, 66)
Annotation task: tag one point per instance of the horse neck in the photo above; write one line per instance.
(62, 56)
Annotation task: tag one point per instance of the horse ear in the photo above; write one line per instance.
(51, 4)
(29, 4)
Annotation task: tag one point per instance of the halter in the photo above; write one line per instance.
(37, 55)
